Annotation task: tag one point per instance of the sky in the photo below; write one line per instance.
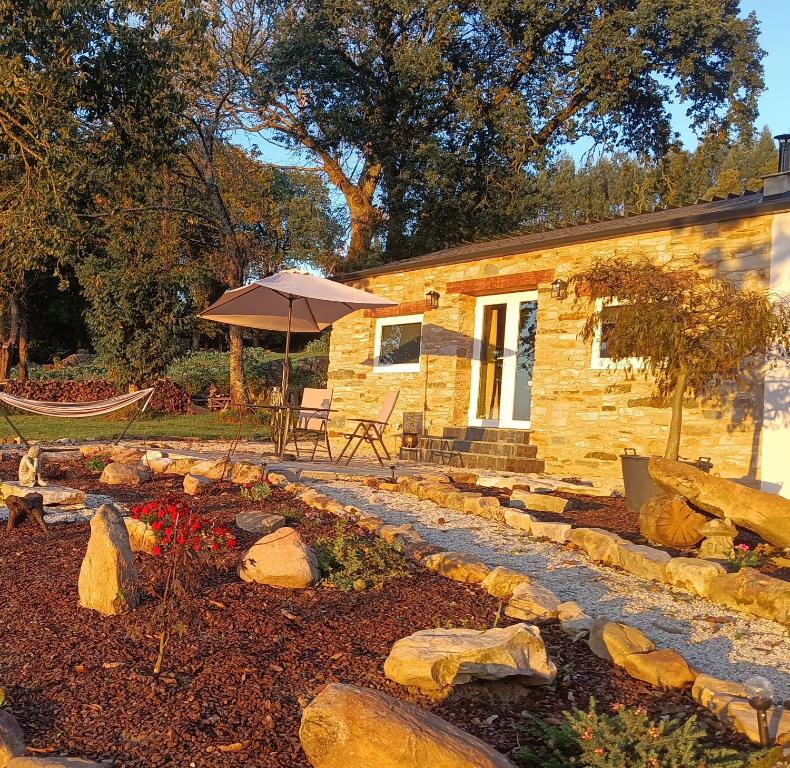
(774, 106)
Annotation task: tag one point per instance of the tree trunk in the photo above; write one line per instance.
(236, 363)
(9, 343)
(673, 439)
(365, 218)
(22, 370)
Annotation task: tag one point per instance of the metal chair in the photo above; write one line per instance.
(371, 431)
(313, 417)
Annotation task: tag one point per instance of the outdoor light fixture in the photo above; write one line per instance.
(760, 694)
(433, 299)
(559, 289)
(784, 152)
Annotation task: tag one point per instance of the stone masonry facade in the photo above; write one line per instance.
(581, 419)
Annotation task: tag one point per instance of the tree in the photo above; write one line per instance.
(693, 329)
(430, 118)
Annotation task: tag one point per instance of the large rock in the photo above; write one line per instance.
(281, 559)
(259, 522)
(196, 485)
(613, 642)
(767, 514)
(125, 474)
(668, 521)
(141, 536)
(108, 578)
(521, 521)
(457, 566)
(180, 465)
(573, 620)
(753, 592)
(434, 659)
(599, 544)
(538, 502)
(645, 562)
(243, 472)
(501, 582)
(12, 740)
(692, 574)
(348, 727)
(532, 602)
(557, 532)
(664, 669)
(52, 495)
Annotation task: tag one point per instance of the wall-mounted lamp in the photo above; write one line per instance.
(559, 289)
(433, 299)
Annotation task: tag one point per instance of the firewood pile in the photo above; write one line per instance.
(168, 397)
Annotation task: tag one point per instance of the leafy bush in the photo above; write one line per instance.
(627, 738)
(350, 561)
(96, 464)
(259, 491)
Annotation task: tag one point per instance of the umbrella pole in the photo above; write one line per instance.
(285, 382)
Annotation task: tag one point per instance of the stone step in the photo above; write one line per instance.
(467, 447)
(488, 434)
(502, 463)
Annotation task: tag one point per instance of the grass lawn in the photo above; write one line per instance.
(203, 425)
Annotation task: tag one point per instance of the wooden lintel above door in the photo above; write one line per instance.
(488, 286)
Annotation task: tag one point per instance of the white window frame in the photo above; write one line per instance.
(397, 367)
(598, 363)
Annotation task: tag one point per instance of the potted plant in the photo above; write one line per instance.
(691, 330)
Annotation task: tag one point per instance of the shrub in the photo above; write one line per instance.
(96, 464)
(743, 556)
(259, 491)
(352, 561)
(627, 738)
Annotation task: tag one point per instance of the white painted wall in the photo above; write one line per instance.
(775, 453)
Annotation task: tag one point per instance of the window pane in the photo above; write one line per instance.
(609, 319)
(400, 344)
(525, 359)
(492, 356)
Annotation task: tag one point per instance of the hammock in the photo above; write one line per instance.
(78, 410)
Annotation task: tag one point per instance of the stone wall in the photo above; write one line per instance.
(582, 419)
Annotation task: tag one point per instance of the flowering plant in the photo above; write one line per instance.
(743, 556)
(175, 525)
(258, 491)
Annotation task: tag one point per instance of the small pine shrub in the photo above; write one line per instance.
(627, 738)
(96, 464)
(350, 561)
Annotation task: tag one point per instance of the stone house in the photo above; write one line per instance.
(484, 348)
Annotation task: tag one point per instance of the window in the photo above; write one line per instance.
(600, 359)
(397, 345)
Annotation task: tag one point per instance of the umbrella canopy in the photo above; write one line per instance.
(291, 301)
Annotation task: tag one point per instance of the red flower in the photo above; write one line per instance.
(156, 550)
(196, 546)
(230, 543)
(168, 530)
(195, 526)
(215, 547)
(156, 525)
(171, 509)
(181, 539)
(249, 486)
(160, 513)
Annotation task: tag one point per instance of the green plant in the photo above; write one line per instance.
(743, 556)
(96, 464)
(351, 561)
(258, 491)
(627, 738)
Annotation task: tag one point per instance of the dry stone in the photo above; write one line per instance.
(598, 543)
(196, 485)
(532, 602)
(349, 727)
(457, 566)
(753, 592)
(521, 521)
(52, 495)
(12, 740)
(669, 521)
(108, 578)
(692, 574)
(281, 559)
(664, 669)
(141, 536)
(741, 716)
(715, 694)
(501, 582)
(125, 474)
(435, 659)
(613, 642)
(557, 532)
(573, 620)
(213, 469)
(764, 513)
(259, 522)
(644, 562)
(181, 465)
(159, 466)
(244, 472)
(538, 502)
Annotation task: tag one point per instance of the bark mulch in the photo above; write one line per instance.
(251, 657)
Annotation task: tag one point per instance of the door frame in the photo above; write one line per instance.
(509, 362)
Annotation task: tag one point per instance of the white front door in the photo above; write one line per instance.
(502, 361)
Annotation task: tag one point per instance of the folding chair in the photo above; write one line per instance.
(371, 431)
(313, 418)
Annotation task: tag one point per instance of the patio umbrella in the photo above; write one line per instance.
(290, 301)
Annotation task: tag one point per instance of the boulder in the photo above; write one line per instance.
(664, 669)
(484, 506)
(457, 566)
(558, 532)
(645, 562)
(715, 694)
(501, 582)
(532, 602)
(521, 521)
(141, 536)
(598, 543)
(281, 559)
(692, 574)
(753, 592)
(259, 522)
(435, 659)
(668, 521)
(52, 495)
(125, 474)
(108, 578)
(196, 485)
(12, 740)
(741, 716)
(538, 502)
(764, 513)
(244, 472)
(53, 762)
(613, 642)
(125, 455)
(349, 727)
(159, 466)
(181, 465)
(573, 620)
(213, 469)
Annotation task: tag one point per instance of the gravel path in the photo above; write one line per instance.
(713, 639)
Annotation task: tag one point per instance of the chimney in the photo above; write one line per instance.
(779, 183)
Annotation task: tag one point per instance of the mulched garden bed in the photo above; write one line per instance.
(252, 657)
